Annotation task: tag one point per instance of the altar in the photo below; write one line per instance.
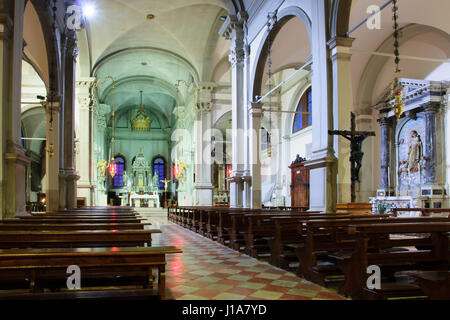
(412, 162)
(137, 199)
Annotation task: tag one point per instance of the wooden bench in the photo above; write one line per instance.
(435, 284)
(368, 236)
(76, 239)
(46, 268)
(424, 212)
(70, 226)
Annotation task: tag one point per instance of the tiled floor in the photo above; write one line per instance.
(207, 270)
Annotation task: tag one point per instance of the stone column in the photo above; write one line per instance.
(13, 162)
(85, 160)
(52, 159)
(203, 136)
(429, 145)
(323, 187)
(256, 114)
(233, 29)
(386, 146)
(71, 175)
(342, 102)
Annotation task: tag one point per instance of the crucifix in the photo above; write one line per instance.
(356, 139)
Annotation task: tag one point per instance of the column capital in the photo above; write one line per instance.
(6, 26)
(386, 121)
(431, 107)
(256, 109)
(340, 42)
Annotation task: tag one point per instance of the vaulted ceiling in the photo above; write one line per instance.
(126, 50)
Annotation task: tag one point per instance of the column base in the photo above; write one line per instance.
(323, 184)
(204, 195)
(236, 190)
(71, 191)
(14, 186)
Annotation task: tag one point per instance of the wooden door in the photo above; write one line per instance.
(300, 185)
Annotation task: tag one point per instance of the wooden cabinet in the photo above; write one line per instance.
(299, 183)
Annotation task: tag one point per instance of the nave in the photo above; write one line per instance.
(207, 270)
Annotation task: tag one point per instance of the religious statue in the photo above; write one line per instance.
(415, 153)
(102, 165)
(156, 180)
(356, 139)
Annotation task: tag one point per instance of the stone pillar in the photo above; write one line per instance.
(323, 162)
(429, 145)
(52, 159)
(386, 149)
(342, 102)
(233, 29)
(256, 114)
(13, 162)
(71, 175)
(203, 137)
(85, 160)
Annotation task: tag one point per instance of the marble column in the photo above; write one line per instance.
(71, 175)
(52, 163)
(233, 29)
(203, 137)
(256, 114)
(323, 163)
(386, 146)
(429, 145)
(13, 162)
(342, 101)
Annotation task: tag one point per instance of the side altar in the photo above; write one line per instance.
(413, 164)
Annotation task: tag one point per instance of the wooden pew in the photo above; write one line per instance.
(424, 212)
(73, 220)
(70, 226)
(75, 239)
(45, 267)
(290, 231)
(322, 237)
(435, 284)
(368, 236)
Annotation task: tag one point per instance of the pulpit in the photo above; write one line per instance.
(299, 183)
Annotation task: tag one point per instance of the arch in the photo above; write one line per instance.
(376, 63)
(283, 17)
(44, 13)
(340, 18)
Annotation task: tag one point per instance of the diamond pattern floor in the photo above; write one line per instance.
(207, 270)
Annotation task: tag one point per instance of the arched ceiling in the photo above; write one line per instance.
(410, 12)
(152, 54)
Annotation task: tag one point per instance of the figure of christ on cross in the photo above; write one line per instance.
(356, 139)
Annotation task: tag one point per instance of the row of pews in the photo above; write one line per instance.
(111, 247)
(337, 249)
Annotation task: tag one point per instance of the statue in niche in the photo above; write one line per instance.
(415, 154)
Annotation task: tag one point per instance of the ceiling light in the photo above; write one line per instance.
(223, 18)
(89, 10)
(150, 16)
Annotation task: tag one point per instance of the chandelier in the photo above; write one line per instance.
(141, 123)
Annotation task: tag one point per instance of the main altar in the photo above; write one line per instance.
(142, 186)
(412, 148)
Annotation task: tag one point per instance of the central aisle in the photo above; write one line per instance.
(207, 270)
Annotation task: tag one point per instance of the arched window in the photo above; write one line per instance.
(120, 168)
(159, 168)
(265, 139)
(302, 120)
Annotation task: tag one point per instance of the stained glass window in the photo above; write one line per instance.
(159, 168)
(302, 120)
(120, 168)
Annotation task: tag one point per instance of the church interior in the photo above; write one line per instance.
(224, 150)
